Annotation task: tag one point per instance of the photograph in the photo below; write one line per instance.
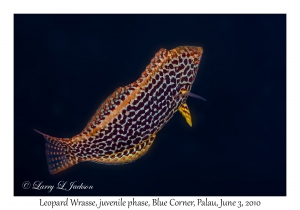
(149, 104)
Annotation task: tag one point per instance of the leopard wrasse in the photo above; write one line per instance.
(126, 123)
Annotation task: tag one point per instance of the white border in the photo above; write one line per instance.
(8, 8)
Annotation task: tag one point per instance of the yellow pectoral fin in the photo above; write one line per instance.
(184, 110)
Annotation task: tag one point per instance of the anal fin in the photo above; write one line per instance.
(184, 110)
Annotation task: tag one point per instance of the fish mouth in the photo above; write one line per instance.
(199, 50)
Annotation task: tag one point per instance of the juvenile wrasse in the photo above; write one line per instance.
(126, 123)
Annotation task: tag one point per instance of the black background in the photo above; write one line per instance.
(66, 65)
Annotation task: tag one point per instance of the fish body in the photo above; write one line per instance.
(126, 123)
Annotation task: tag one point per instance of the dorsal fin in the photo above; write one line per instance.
(120, 94)
(109, 105)
(159, 59)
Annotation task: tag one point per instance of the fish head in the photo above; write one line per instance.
(188, 58)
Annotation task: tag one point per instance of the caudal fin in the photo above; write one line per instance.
(58, 153)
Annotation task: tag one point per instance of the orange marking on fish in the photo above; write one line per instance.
(126, 123)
